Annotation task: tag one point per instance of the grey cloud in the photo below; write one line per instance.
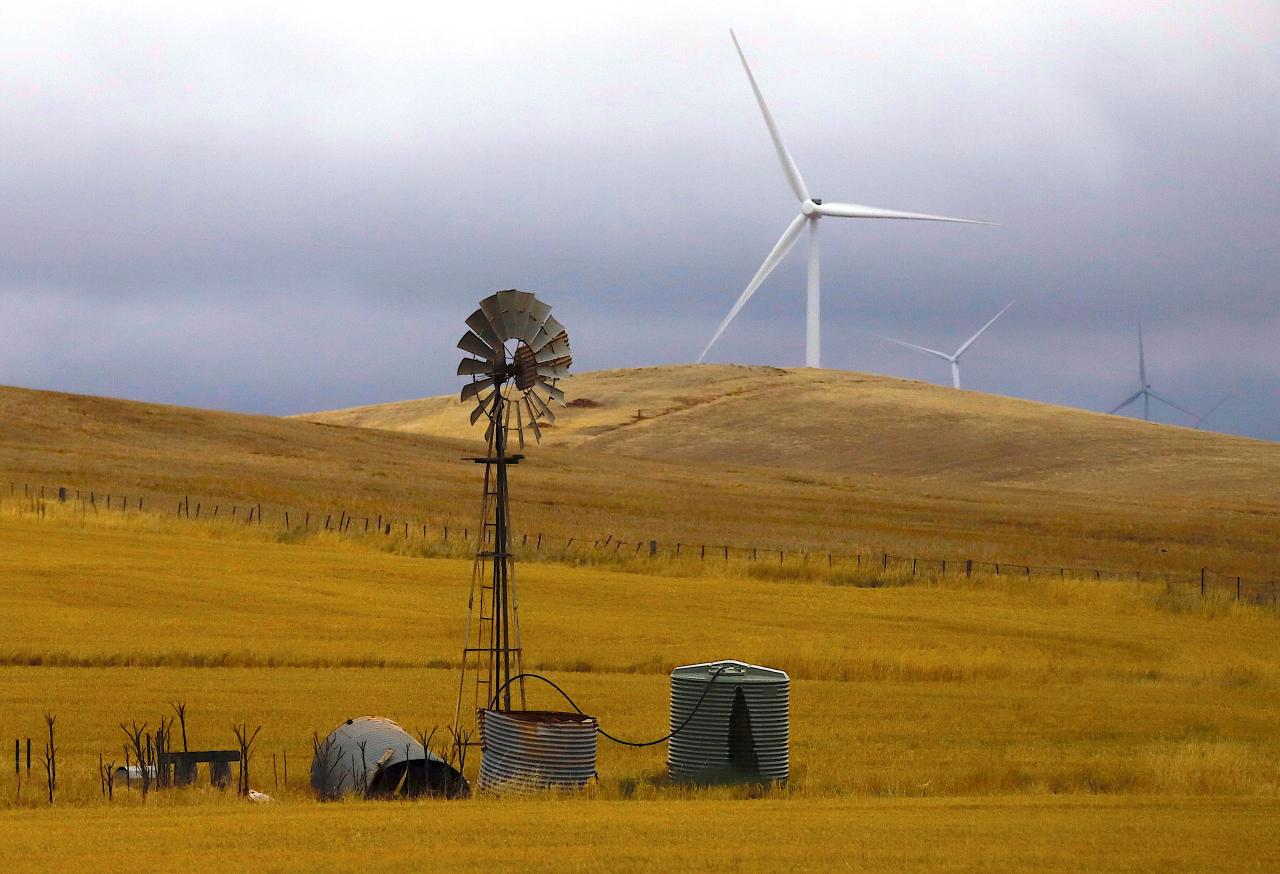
(291, 210)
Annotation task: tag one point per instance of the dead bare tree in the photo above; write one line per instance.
(108, 774)
(245, 739)
(180, 708)
(50, 757)
(324, 763)
(138, 743)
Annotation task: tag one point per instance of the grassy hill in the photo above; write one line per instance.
(933, 459)
(861, 425)
(792, 459)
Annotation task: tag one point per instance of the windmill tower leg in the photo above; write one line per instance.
(955, 374)
(813, 308)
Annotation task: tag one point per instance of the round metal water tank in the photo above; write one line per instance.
(527, 751)
(740, 732)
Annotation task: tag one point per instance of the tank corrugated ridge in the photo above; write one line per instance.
(524, 752)
(700, 750)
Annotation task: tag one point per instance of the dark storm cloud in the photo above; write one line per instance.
(296, 210)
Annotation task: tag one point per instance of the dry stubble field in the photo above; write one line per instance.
(945, 725)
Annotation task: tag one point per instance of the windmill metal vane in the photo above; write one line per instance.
(528, 373)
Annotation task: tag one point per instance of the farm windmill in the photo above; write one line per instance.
(517, 354)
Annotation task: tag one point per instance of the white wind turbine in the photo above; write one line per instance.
(811, 210)
(1144, 389)
(954, 359)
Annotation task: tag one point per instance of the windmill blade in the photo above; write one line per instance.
(471, 388)
(479, 322)
(492, 309)
(944, 356)
(552, 392)
(538, 312)
(558, 348)
(551, 330)
(1118, 407)
(969, 342)
(788, 165)
(533, 421)
(482, 406)
(474, 367)
(553, 371)
(857, 210)
(519, 313)
(538, 408)
(1168, 403)
(472, 343)
(779, 251)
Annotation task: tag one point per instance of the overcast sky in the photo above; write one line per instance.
(291, 210)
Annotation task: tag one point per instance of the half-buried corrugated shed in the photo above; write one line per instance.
(374, 757)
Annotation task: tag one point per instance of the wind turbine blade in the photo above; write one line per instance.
(1142, 359)
(779, 251)
(788, 165)
(1120, 406)
(1212, 410)
(944, 356)
(1164, 400)
(857, 210)
(969, 342)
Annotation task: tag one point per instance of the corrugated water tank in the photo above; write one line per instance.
(526, 751)
(731, 722)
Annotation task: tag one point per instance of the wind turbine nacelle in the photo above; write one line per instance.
(810, 206)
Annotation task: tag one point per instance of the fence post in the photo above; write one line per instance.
(539, 540)
(1237, 588)
(968, 567)
(653, 547)
(726, 553)
(704, 552)
(913, 566)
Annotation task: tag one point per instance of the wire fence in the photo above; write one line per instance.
(446, 533)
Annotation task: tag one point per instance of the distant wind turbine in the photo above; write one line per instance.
(954, 359)
(1144, 389)
(811, 210)
(1200, 420)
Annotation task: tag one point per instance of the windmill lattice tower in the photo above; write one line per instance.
(519, 352)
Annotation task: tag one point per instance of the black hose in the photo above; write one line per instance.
(617, 740)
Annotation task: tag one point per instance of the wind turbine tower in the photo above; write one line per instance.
(954, 358)
(812, 209)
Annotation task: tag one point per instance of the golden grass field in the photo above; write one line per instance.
(938, 722)
(949, 724)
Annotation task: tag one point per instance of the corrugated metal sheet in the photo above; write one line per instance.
(741, 730)
(367, 755)
(532, 750)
